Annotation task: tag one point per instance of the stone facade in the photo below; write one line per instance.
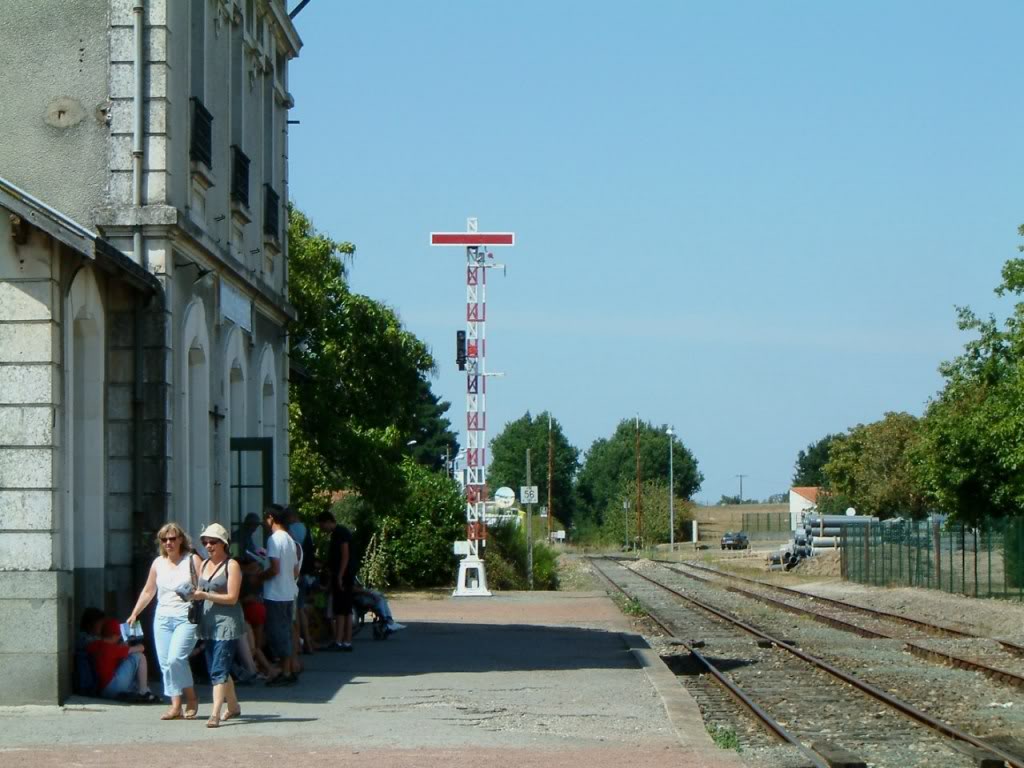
(143, 322)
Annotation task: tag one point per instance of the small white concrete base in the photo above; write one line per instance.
(472, 578)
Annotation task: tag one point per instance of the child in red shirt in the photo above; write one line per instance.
(120, 669)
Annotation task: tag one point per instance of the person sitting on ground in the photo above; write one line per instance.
(121, 669)
(90, 628)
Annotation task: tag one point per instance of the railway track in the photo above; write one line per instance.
(999, 660)
(733, 705)
(823, 707)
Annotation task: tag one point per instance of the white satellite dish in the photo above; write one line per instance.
(851, 512)
(504, 497)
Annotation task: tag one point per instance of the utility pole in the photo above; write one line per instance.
(625, 520)
(639, 506)
(529, 526)
(671, 496)
(741, 486)
(551, 476)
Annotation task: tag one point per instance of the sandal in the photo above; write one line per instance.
(171, 714)
(191, 711)
(213, 722)
(231, 715)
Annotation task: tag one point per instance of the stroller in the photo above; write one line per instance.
(365, 601)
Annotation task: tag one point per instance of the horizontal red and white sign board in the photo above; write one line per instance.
(473, 238)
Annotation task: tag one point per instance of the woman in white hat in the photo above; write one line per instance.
(222, 625)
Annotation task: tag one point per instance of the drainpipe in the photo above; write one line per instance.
(138, 516)
(139, 11)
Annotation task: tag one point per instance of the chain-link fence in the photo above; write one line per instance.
(987, 561)
(766, 525)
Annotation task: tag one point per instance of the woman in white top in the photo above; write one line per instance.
(170, 577)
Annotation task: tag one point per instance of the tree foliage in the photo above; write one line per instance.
(972, 448)
(610, 466)
(506, 555)
(420, 530)
(810, 463)
(356, 407)
(435, 441)
(508, 461)
(362, 395)
(620, 523)
(872, 466)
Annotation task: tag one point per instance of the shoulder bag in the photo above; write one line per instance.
(195, 608)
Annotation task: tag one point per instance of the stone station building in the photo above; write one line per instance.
(143, 299)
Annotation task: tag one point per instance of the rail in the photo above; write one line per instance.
(903, 707)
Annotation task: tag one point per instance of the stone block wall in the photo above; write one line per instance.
(34, 592)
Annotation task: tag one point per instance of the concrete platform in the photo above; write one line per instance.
(525, 679)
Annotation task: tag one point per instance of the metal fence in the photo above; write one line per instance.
(765, 522)
(982, 562)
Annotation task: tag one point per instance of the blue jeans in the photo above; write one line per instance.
(124, 679)
(174, 638)
(220, 655)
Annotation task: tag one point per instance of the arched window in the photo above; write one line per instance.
(193, 421)
(85, 525)
(267, 384)
(236, 402)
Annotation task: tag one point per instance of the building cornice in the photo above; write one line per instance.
(168, 222)
(286, 28)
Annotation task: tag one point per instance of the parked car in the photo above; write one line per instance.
(735, 540)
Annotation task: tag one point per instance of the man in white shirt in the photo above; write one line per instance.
(279, 591)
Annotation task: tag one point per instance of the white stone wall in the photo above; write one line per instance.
(34, 593)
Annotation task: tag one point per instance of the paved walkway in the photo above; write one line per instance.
(524, 679)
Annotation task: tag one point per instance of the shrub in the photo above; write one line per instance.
(506, 553)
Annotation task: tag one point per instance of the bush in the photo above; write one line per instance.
(420, 532)
(506, 555)
(502, 574)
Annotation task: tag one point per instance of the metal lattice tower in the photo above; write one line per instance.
(478, 262)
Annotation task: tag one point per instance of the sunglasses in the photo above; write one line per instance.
(208, 542)
(166, 539)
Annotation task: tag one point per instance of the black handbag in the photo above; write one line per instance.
(195, 608)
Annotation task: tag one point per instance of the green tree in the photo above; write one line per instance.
(355, 407)
(872, 467)
(419, 531)
(972, 446)
(435, 441)
(619, 523)
(610, 466)
(808, 472)
(508, 461)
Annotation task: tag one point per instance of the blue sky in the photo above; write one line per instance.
(752, 220)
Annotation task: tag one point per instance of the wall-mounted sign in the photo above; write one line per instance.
(235, 306)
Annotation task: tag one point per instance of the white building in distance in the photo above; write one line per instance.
(802, 502)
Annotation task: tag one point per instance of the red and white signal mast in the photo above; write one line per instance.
(472, 357)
